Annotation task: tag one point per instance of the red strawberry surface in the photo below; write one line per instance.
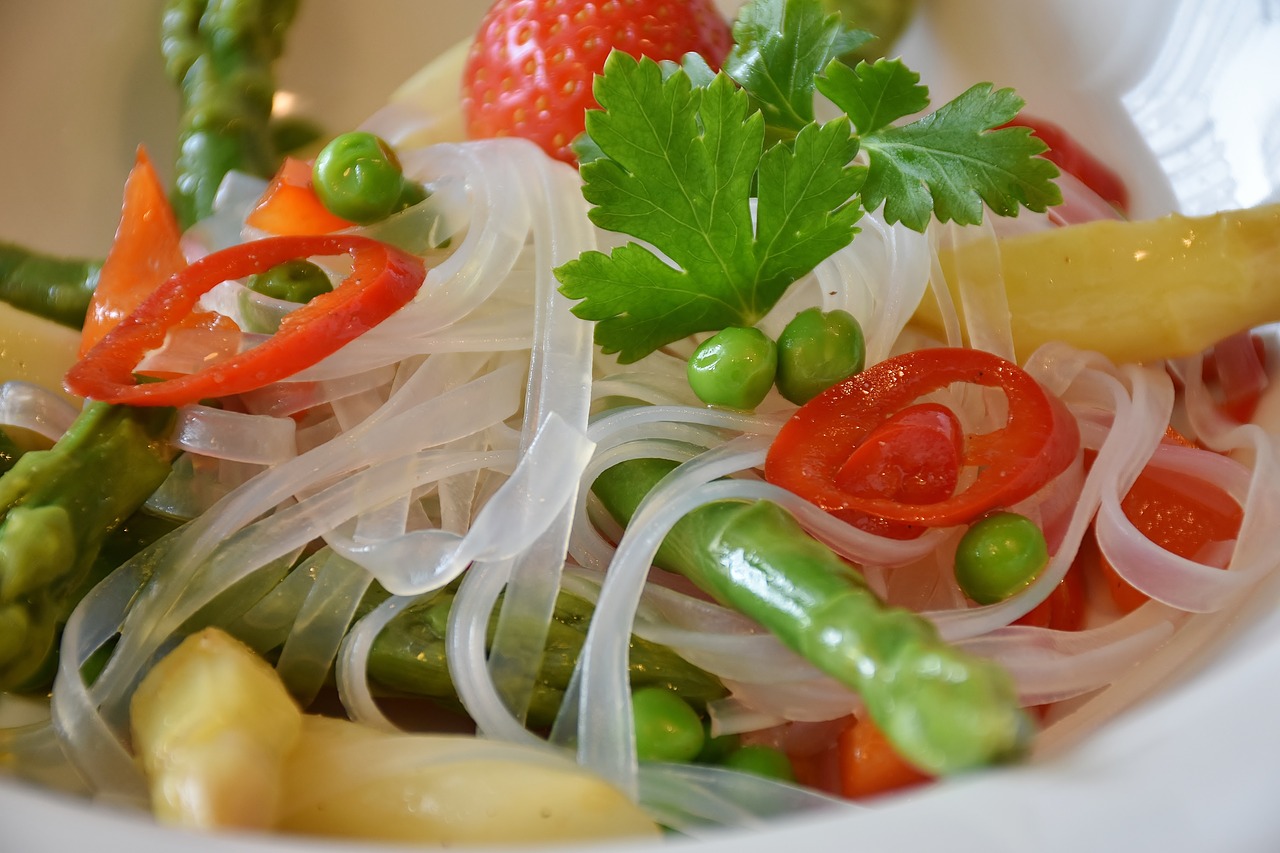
(530, 69)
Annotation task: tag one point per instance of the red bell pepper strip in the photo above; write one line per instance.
(145, 252)
(290, 204)
(1038, 441)
(383, 279)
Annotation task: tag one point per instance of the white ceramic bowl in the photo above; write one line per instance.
(1179, 95)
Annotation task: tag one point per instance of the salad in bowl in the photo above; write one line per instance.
(652, 422)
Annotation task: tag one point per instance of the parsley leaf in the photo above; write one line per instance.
(947, 163)
(781, 46)
(874, 96)
(680, 167)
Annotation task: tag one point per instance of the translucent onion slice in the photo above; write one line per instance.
(27, 406)
(239, 437)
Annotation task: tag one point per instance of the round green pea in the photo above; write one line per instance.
(734, 368)
(293, 281)
(716, 748)
(667, 727)
(816, 350)
(763, 761)
(357, 176)
(999, 555)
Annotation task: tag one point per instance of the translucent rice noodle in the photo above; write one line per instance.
(459, 439)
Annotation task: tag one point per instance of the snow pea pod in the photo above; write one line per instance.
(945, 710)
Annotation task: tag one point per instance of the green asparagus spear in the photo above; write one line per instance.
(221, 53)
(55, 288)
(58, 506)
(945, 710)
(408, 657)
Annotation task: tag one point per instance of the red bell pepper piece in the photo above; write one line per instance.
(1037, 442)
(290, 204)
(145, 252)
(383, 279)
(1181, 514)
(869, 765)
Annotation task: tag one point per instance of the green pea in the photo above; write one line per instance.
(999, 555)
(357, 176)
(667, 727)
(816, 350)
(734, 368)
(293, 281)
(763, 761)
(715, 749)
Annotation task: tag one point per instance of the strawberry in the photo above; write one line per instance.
(530, 70)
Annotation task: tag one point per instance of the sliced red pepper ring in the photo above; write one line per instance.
(1038, 440)
(383, 279)
(915, 456)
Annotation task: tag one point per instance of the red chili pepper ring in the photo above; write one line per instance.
(383, 279)
(1038, 441)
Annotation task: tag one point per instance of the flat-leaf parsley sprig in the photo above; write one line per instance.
(680, 166)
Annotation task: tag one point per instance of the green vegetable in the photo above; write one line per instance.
(763, 761)
(55, 288)
(10, 452)
(293, 281)
(678, 165)
(221, 54)
(1000, 554)
(357, 176)
(885, 19)
(943, 709)
(58, 508)
(816, 350)
(408, 657)
(781, 47)
(733, 368)
(716, 749)
(667, 727)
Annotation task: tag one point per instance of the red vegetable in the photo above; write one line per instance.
(145, 252)
(382, 280)
(1037, 442)
(291, 206)
(1072, 157)
(913, 457)
(1064, 609)
(1179, 513)
(869, 764)
(530, 69)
